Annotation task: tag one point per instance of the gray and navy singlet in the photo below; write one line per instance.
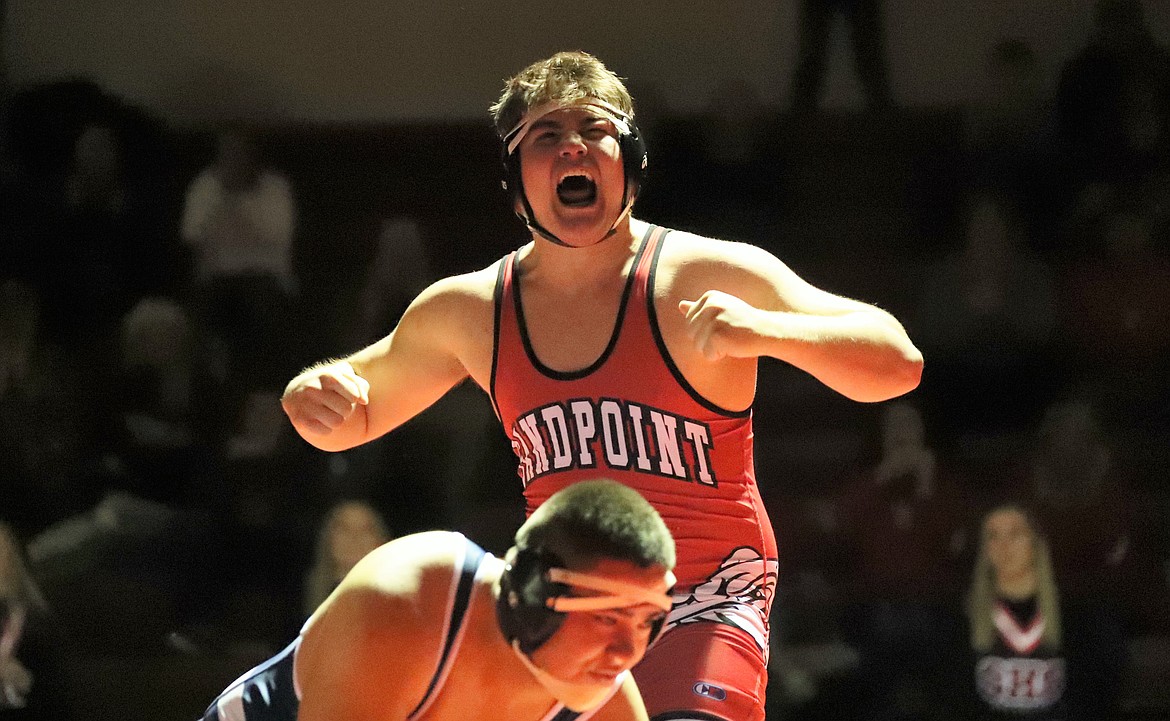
(268, 692)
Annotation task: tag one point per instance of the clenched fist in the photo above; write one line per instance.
(721, 325)
(324, 397)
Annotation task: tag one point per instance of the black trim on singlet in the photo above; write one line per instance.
(498, 303)
(266, 692)
(656, 331)
(471, 559)
(566, 714)
(614, 334)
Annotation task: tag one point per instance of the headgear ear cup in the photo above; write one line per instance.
(522, 607)
(634, 160)
(511, 182)
(656, 630)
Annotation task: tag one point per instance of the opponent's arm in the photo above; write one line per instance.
(340, 404)
(754, 305)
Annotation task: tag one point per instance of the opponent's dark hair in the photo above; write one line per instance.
(599, 519)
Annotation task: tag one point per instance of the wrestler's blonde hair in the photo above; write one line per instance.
(566, 77)
(982, 596)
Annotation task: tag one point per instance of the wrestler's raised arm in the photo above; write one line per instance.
(740, 301)
(341, 403)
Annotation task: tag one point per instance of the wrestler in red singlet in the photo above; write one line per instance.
(631, 416)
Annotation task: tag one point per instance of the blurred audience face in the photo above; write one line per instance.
(12, 570)
(96, 154)
(1069, 431)
(156, 333)
(19, 310)
(237, 161)
(355, 530)
(1014, 81)
(8, 566)
(989, 232)
(1009, 542)
(19, 314)
(1126, 234)
(902, 428)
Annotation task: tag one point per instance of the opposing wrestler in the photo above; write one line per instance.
(430, 627)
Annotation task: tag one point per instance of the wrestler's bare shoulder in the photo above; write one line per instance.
(401, 566)
(394, 598)
(463, 298)
(468, 289)
(404, 578)
(691, 264)
(683, 248)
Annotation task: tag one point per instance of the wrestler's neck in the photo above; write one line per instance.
(586, 264)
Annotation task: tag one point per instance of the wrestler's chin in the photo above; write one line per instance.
(581, 227)
(602, 678)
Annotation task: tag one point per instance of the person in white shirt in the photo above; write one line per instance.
(239, 216)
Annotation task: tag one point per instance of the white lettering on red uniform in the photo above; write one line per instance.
(614, 434)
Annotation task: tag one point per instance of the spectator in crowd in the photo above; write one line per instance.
(239, 216)
(731, 183)
(400, 270)
(1009, 135)
(50, 458)
(902, 527)
(238, 221)
(1083, 492)
(33, 679)
(1112, 300)
(1032, 656)
(166, 434)
(42, 123)
(1113, 102)
(118, 203)
(350, 530)
(90, 249)
(986, 315)
(864, 18)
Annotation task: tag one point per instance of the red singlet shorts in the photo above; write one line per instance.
(703, 671)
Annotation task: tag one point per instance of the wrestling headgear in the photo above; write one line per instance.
(630, 143)
(535, 596)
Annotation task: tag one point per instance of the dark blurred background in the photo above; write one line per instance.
(997, 175)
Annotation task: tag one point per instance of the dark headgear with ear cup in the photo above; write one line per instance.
(522, 608)
(634, 162)
(525, 591)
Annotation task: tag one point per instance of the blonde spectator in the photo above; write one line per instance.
(30, 679)
(350, 530)
(1034, 657)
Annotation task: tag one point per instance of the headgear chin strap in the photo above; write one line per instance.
(535, 595)
(633, 151)
(575, 696)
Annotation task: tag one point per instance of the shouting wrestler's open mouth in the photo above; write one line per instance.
(577, 191)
